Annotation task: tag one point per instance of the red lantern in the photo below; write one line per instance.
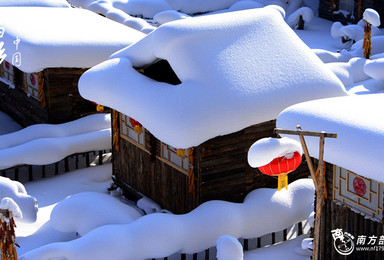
(280, 167)
(137, 126)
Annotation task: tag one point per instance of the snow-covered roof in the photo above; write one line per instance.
(359, 124)
(60, 37)
(237, 69)
(44, 3)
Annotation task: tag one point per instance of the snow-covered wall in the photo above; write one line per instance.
(236, 70)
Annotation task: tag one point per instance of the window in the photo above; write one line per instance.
(359, 193)
(6, 71)
(129, 133)
(175, 157)
(31, 85)
(347, 5)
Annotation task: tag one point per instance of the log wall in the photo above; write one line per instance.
(63, 100)
(338, 216)
(325, 10)
(220, 167)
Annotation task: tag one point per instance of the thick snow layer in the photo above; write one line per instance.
(290, 249)
(371, 16)
(265, 150)
(45, 144)
(9, 204)
(80, 126)
(82, 41)
(169, 16)
(159, 235)
(244, 73)
(42, 3)
(375, 68)
(86, 211)
(229, 248)
(15, 190)
(50, 191)
(358, 122)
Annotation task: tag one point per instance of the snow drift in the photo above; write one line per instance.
(159, 235)
(83, 212)
(44, 144)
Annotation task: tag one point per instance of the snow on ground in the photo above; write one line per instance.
(7, 124)
(48, 193)
(161, 234)
(220, 78)
(359, 124)
(82, 39)
(43, 144)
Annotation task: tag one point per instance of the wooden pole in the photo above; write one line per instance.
(319, 181)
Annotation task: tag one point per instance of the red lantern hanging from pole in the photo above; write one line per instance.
(276, 157)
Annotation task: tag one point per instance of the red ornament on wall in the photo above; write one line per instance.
(359, 186)
(7, 65)
(32, 79)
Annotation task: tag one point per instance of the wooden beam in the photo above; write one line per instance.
(306, 133)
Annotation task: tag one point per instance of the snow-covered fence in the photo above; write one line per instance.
(249, 244)
(72, 162)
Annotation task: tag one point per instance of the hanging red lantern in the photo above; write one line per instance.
(136, 125)
(276, 157)
(280, 167)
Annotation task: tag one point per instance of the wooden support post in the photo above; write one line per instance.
(30, 173)
(319, 181)
(245, 244)
(87, 159)
(16, 174)
(207, 254)
(66, 164)
(43, 171)
(100, 157)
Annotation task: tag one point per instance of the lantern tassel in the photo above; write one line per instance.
(282, 181)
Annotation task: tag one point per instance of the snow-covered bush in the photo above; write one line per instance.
(16, 191)
(83, 212)
(301, 16)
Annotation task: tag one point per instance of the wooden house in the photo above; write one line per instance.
(354, 179)
(214, 131)
(348, 11)
(46, 56)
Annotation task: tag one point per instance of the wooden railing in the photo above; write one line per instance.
(248, 244)
(76, 161)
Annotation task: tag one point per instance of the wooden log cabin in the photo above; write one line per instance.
(216, 135)
(348, 11)
(46, 56)
(354, 204)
